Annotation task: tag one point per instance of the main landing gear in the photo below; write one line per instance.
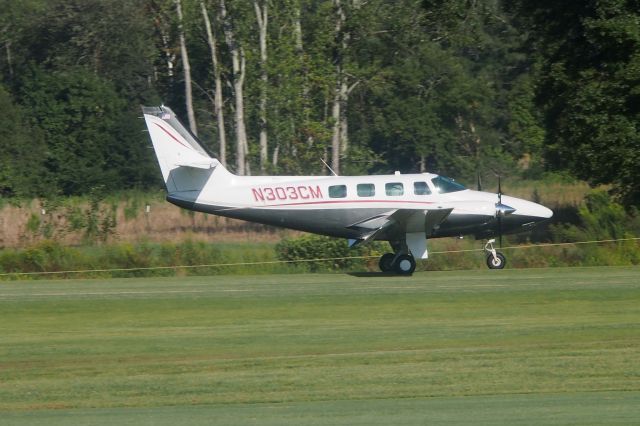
(400, 263)
(495, 259)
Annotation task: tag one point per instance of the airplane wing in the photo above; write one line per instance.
(401, 221)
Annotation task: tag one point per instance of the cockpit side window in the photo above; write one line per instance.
(445, 185)
(421, 188)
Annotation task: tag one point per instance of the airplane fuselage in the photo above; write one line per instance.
(332, 205)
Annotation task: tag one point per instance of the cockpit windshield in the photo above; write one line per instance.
(444, 185)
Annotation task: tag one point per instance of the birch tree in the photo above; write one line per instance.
(217, 97)
(162, 26)
(338, 138)
(187, 70)
(238, 63)
(262, 16)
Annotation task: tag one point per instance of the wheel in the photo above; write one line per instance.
(498, 262)
(405, 264)
(386, 262)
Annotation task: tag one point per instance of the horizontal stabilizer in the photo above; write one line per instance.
(197, 163)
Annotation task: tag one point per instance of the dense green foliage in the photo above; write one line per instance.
(455, 87)
(588, 59)
(133, 260)
(599, 218)
(338, 253)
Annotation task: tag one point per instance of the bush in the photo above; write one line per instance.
(309, 247)
(600, 218)
(51, 256)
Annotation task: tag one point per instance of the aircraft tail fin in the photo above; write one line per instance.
(185, 164)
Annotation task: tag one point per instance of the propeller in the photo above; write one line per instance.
(502, 210)
(499, 211)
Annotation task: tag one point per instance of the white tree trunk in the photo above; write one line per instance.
(262, 17)
(238, 66)
(187, 71)
(169, 55)
(299, 49)
(338, 112)
(274, 160)
(344, 129)
(240, 112)
(335, 137)
(7, 46)
(217, 98)
(297, 28)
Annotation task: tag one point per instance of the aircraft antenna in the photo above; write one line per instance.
(327, 166)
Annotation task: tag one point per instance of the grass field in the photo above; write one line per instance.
(536, 346)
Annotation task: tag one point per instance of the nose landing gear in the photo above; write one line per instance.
(495, 259)
(402, 264)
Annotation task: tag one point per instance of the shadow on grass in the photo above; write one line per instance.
(376, 274)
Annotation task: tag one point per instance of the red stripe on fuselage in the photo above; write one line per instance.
(347, 202)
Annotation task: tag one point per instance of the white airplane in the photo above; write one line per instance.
(403, 209)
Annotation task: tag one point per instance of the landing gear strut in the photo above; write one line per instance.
(403, 264)
(495, 259)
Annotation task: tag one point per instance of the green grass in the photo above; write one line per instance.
(537, 346)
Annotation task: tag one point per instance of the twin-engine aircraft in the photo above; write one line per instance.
(403, 209)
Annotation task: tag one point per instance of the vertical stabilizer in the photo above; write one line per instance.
(184, 163)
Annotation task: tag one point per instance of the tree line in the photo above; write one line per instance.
(459, 87)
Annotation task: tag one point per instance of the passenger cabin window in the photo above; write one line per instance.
(444, 185)
(421, 188)
(366, 190)
(394, 188)
(338, 191)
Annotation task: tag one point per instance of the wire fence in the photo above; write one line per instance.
(272, 262)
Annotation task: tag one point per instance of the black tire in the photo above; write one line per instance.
(405, 264)
(386, 262)
(496, 263)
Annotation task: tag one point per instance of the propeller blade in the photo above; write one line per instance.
(479, 182)
(499, 191)
(500, 231)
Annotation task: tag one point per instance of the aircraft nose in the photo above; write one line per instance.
(528, 208)
(546, 213)
(538, 211)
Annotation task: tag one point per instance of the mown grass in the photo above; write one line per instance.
(297, 343)
(592, 408)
